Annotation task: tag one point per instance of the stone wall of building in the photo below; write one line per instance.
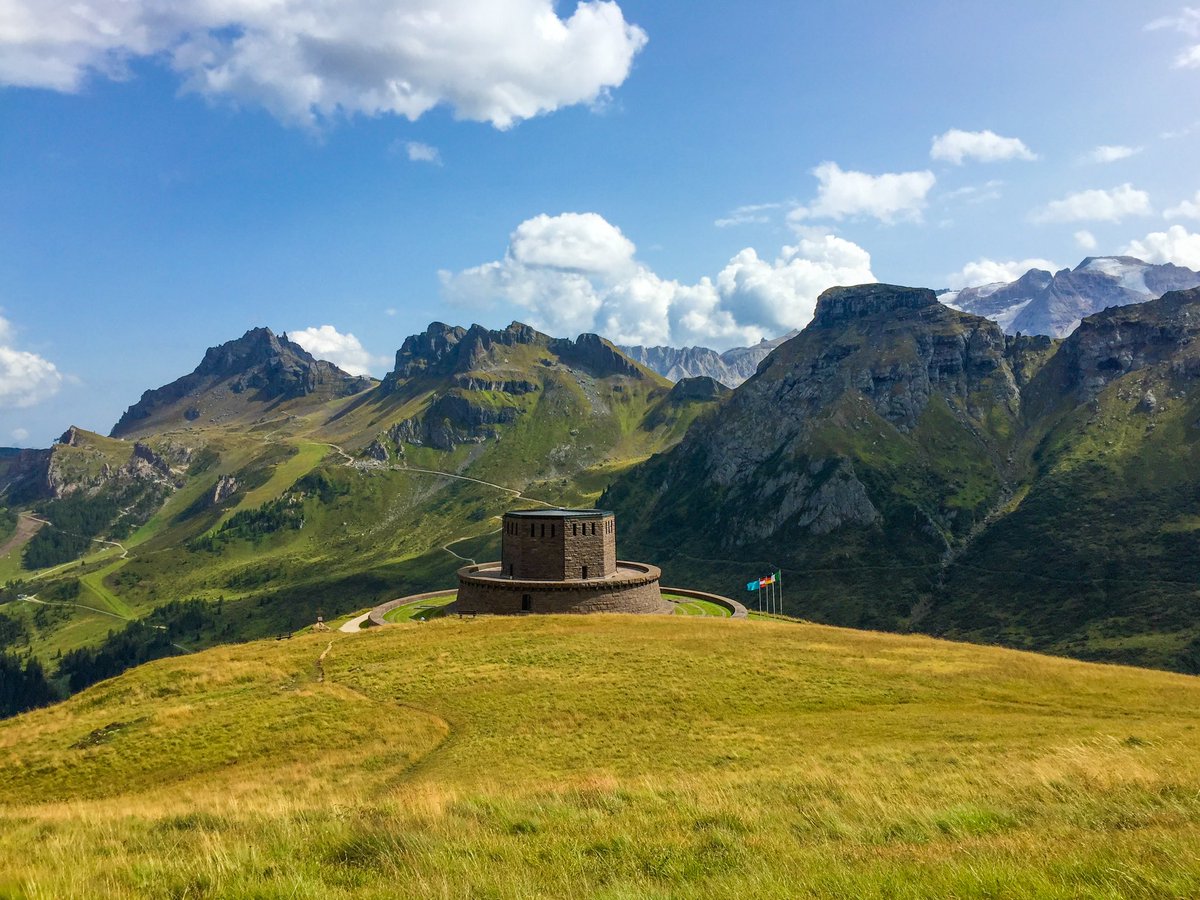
(559, 549)
(633, 589)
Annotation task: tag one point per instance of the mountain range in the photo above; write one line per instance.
(1054, 304)
(730, 368)
(905, 465)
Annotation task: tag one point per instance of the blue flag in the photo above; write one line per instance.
(752, 585)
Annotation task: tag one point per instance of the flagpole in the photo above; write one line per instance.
(779, 578)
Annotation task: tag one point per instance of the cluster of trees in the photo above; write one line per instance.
(75, 520)
(12, 632)
(8, 523)
(154, 637)
(318, 484)
(23, 685)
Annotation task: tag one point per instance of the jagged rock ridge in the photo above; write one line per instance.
(730, 368)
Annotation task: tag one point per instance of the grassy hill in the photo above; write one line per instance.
(607, 756)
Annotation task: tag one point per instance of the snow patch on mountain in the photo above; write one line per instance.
(1041, 303)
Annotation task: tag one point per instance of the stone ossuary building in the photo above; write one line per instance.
(559, 561)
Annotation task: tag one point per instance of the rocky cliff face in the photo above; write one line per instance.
(800, 448)
(1116, 342)
(258, 368)
(1041, 303)
(909, 466)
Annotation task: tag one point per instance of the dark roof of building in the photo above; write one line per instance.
(551, 513)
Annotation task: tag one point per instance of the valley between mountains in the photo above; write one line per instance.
(907, 465)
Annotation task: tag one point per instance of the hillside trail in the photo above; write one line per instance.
(321, 663)
(42, 574)
(33, 598)
(351, 461)
(27, 526)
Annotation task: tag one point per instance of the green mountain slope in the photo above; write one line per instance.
(607, 756)
(910, 467)
(293, 493)
(862, 451)
(1107, 534)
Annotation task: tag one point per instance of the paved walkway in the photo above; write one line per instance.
(355, 625)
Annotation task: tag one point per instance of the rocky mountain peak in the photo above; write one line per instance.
(595, 355)
(260, 366)
(844, 304)
(256, 347)
(700, 387)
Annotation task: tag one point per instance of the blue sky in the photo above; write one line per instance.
(658, 172)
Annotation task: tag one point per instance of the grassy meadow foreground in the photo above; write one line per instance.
(607, 756)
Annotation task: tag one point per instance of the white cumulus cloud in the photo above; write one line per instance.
(1086, 240)
(1096, 206)
(343, 350)
(1175, 245)
(584, 242)
(1187, 209)
(500, 61)
(1189, 58)
(894, 196)
(992, 271)
(20, 434)
(1107, 153)
(577, 272)
(26, 379)
(957, 146)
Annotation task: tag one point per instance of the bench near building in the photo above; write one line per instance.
(559, 561)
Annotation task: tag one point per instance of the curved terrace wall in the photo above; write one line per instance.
(632, 589)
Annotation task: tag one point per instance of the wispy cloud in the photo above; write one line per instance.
(1107, 153)
(418, 152)
(751, 214)
(1186, 22)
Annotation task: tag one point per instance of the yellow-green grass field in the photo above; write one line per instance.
(608, 756)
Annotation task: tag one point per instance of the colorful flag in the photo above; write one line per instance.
(752, 586)
(763, 582)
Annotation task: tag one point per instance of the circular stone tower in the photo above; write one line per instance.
(559, 561)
